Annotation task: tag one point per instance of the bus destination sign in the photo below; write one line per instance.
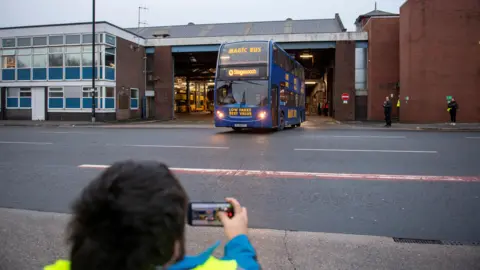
(245, 50)
(242, 72)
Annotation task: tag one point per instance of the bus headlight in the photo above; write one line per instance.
(220, 114)
(262, 115)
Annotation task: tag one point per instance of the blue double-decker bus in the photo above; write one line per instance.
(258, 85)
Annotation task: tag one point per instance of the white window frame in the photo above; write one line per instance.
(57, 90)
(104, 90)
(137, 98)
(98, 95)
(19, 97)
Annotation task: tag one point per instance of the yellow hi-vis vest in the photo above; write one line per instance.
(211, 264)
(398, 103)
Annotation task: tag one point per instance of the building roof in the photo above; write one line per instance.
(374, 13)
(289, 26)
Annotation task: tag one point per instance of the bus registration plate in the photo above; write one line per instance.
(240, 125)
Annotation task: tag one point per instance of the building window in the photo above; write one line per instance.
(8, 43)
(87, 98)
(19, 98)
(39, 41)
(109, 98)
(87, 38)
(55, 98)
(133, 98)
(8, 61)
(24, 58)
(55, 58)
(110, 57)
(40, 57)
(55, 40)
(109, 39)
(72, 58)
(24, 42)
(110, 63)
(72, 39)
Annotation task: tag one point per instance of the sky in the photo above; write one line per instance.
(124, 13)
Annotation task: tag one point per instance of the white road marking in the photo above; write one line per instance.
(362, 137)
(366, 150)
(478, 138)
(36, 143)
(310, 175)
(176, 146)
(67, 132)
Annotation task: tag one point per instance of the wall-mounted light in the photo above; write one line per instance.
(310, 82)
(211, 83)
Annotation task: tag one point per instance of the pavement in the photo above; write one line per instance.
(204, 120)
(317, 199)
(31, 240)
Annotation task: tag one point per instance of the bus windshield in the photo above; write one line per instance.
(244, 92)
(244, 53)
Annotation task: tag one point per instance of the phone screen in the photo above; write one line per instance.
(205, 214)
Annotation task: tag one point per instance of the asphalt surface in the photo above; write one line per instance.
(39, 171)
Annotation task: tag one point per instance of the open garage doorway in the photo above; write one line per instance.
(194, 77)
(319, 65)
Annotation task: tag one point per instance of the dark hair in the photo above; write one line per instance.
(128, 218)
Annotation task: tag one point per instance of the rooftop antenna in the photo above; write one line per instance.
(140, 24)
(375, 5)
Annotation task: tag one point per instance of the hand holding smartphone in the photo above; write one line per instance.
(206, 213)
(230, 214)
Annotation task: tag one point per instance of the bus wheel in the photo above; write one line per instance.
(282, 122)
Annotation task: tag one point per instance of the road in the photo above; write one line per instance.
(41, 169)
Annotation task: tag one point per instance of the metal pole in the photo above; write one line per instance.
(94, 66)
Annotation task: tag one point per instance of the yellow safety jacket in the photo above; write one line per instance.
(211, 264)
(239, 255)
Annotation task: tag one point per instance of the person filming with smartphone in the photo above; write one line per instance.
(132, 217)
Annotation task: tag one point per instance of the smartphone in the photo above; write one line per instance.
(205, 213)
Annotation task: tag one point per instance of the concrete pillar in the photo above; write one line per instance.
(344, 77)
(163, 72)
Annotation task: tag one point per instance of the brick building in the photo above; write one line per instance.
(425, 54)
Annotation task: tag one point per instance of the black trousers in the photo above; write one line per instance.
(388, 118)
(453, 116)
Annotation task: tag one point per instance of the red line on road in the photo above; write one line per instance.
(312, 175)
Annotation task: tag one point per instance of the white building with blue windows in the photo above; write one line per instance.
(46, 72)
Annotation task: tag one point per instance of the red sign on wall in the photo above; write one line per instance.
(345, 96)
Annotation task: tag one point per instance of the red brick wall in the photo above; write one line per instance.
(440, 56)
(129, 65)
(383, 64)
(344, 80)
(163, 74)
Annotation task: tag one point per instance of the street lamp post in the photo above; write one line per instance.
(94, 66)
